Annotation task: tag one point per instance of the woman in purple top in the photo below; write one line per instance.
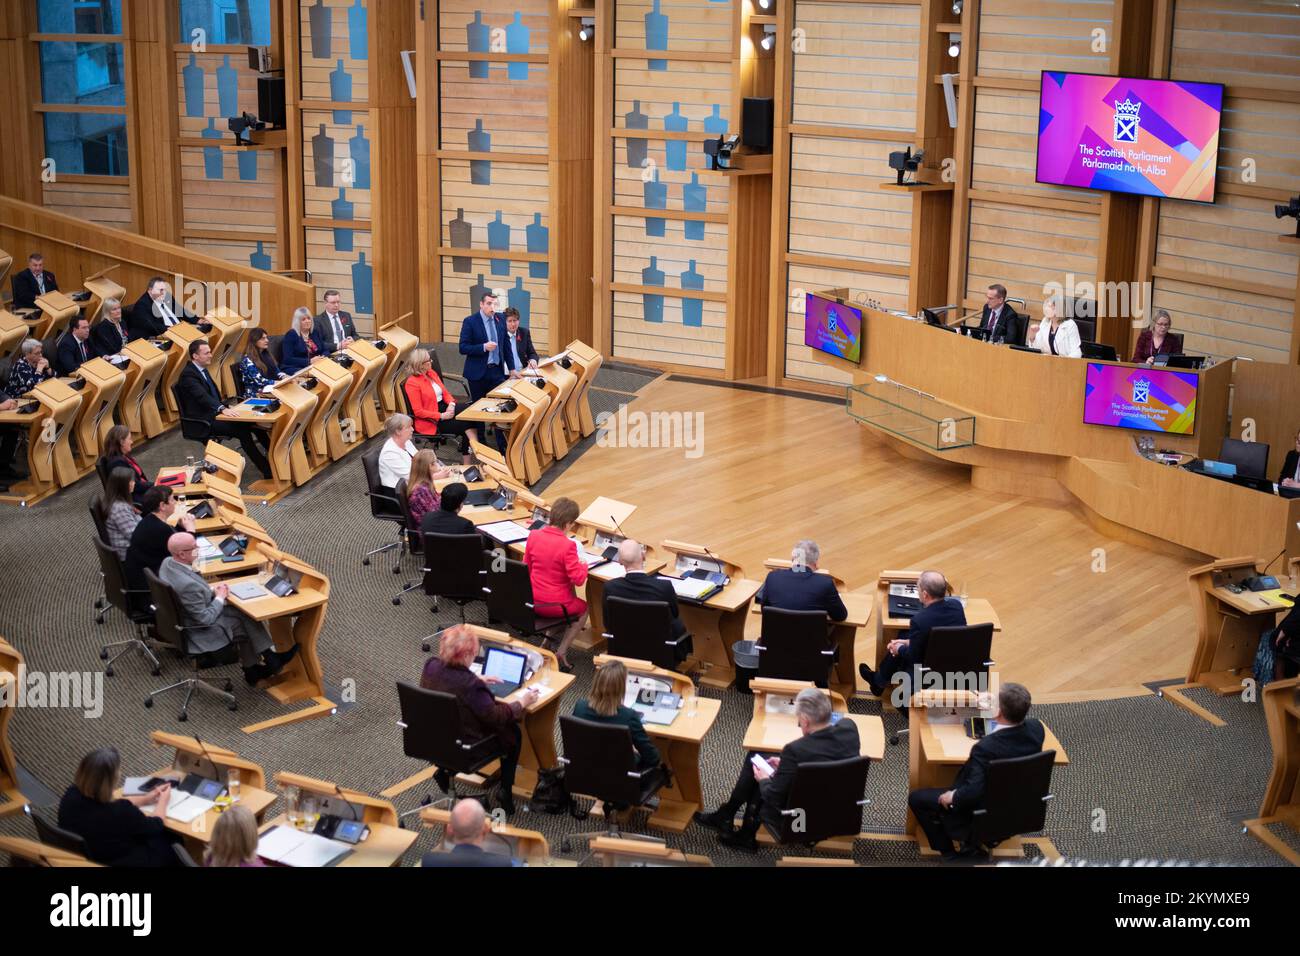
(1157, 340)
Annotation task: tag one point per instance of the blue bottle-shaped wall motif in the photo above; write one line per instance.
(652, 305)
(228, 88)
(462, 237)
(656, 197)
(260, 259)
(358, 31)
(517, 42)
(321, 31)
(656, 35)
(499, 238)
(694, 199)
(341, 92)
(715, 123)
(193, 77)
(675, 149)
(363, 286)
(359, 150)
(478, 39)
(213, 162)
(480, 141)
(539, 240)
(521, 299)
(341, 210)
(476, 293)
(637, 149)
(692, 309)
(247, 165)
(322, 157)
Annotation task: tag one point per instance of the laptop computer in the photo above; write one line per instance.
(508, 666)
(1096, 350)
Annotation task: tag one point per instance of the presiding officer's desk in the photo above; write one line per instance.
(1281, 804)
(539, 720)
(937, 745)
(386, 843)
(678, 743)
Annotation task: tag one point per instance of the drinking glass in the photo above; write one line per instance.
(292, 798)
(310, 813)
(232, 784)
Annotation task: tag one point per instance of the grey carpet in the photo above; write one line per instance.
(1170, 785)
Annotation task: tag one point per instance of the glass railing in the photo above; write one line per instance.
(911, 414)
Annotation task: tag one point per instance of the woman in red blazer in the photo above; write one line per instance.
(432, 405)
(555, 571)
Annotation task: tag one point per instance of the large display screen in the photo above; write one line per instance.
(1149, 399)
(832, 327)
(1148, 137)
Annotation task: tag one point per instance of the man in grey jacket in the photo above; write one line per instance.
(210, 623)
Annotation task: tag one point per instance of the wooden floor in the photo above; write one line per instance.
(773, 469)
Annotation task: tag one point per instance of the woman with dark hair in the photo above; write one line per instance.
(555, 571)
(258, 367)
(116, 832)
(148, 547)
(120, 514)
(117, 454)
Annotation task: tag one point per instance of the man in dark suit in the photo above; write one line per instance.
(200, 399)
(446, 518)
(333, 329)
(468, 827)
(800, 588)
(1289, 477)
(32, 282)
(945, 815)
(155, 312)
(481, 335)
(764, 795)
(999, 320)
(636, 585)
(518, 345)
(74, 347)
(110, 334)
(937, 610)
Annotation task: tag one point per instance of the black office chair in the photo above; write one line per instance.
(961, 654)
(385, 506)
(451, 379)
(101, 469)
(454, 568)
(1016, 794)
(795, 645)
(509, 591)
(1087, 330)
(237, 377)
(643, 631)
(432, 732)
(414, 545)
(825, 801)
(134, 603)
(1250, 457)
(183, 855)
(434, 441)
(53, 835)
(276, 347)
(167, 621)
(96, 506)
(600, 762)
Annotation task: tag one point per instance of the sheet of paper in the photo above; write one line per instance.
(903, 590)
(507, 532)
(188, 809)
(690, 587)
(607, 513)
(133, 786)
(607, 572)
(776, 704)
(316, 851)
(278, 842)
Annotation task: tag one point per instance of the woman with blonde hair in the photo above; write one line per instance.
(481, 713)
(300, 345)
(1057, 335)
(1157, 340)
(556, 571)
(421, 495)
(605, 706)
(234, 839)
(433, 406)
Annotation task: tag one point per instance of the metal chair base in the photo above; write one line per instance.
(137, 644)
(191, 684)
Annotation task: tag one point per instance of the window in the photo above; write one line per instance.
(228, 22)
(82, 74)
(79, 16)
(93, 144)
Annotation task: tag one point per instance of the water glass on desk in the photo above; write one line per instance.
(232, 784)
(310, 813)
(292, 799)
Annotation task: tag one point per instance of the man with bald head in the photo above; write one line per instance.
(210, 623)
(467, 829)
(937, 610)
(636, 585)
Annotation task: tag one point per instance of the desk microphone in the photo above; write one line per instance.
(347, 803)
(216, 773)
(1275, 557)
(721, 564)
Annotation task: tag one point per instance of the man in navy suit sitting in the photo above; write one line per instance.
(800, 588)
(468, 827)
(937, 610)
(481, 335)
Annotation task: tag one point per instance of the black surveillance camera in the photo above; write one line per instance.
(241, 124)
(719, 150)
(905, 162)
(1291, 209)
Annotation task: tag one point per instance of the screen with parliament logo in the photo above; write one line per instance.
(833, 327)
(1149, 399)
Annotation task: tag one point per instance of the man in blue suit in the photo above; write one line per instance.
(468, 828)
(800, 588)
(481, 335)
(937, 610)
(75, 347)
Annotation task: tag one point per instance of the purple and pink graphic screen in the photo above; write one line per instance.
(833, 328)
(1149, 399)
(1148, 137)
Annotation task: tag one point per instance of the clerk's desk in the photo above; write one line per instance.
(290, 465)
(1281, 803)
(538, 722)
(50, 461)
(527, 845)
(146, 365)
(194, 755)
(1228, 628)
(678, 743)
(296, 619)
(937, 747)
(11, 663)
(386, 843)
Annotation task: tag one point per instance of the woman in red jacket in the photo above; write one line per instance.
(432, 405)
(555, 571)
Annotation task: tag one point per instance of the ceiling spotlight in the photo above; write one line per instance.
(956, 7)
(954, 44)
(588, 29)
(769, 36)
(765, 4)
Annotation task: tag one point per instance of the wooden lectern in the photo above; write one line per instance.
(560, 384)
(99, 398)
(49, 452)
(139, 402)
(56, 311)
(586, 363)
(361, 407)
(399, 344)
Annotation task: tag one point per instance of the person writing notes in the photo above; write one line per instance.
(1057, 335)
(1157, 340)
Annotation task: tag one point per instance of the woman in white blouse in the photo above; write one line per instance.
(1057, 335)
(398, 452)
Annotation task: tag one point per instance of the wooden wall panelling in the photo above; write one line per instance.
(1268, 395)
(19, 126)
(151, 96)
(294, 252)
(801, 364)
(783, 95)
(963, 148)
(931, 224)
(603, 166)
(1018, 38)
(428, 319)
(460, 287)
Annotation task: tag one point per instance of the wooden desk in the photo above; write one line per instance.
(559, 384)
(1228, 627)
(12, 332)
(226, 340)
(538, 723)
(324, 432)
(361, 406)
(1281, 802)
(522, 458)
(296, 619)
(50, 463)
(586, 362)
(139, 402)
(101, 287)
(386, 844)
(398, 346)
(678, 743)
(527, 845)
(288, 425)
(978, 611)
(718, 623)
(770, 731)
(41, 854)
(610, 851)
(178, 356)
(11, 663)
(229, 465)
(99, 398)
(56, 310)
(844, 636)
